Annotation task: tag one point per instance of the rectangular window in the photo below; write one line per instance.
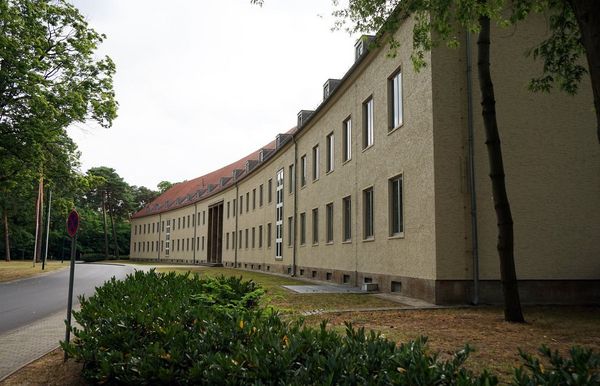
(270, 191)
(292, 177)
(234, 207)
(260, 195)
(329, 213)
(228, 208)
(315, 152)
(241, 204)
(188, 221)
(368, 123)
(395, 200)
(187, 244)
(246, 236)
(368, 231)
(253, 237)
(253, 198)
(198, 243)
(260, 236)
(315, 225)
(330, 152)
(203, 217)
(347, 214)
(202, 242)
(194, 219)
(240, 239)
(395, 101)
(227, 240)
(233, 240)
(247, 201)
(269, 230)
(290, 230)
(302, 228)
(303, 170)
(347, 128)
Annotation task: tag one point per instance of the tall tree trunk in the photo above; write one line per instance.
(104, 222)
(112, 223)
(40, 233)
(587, 13)
(512, 304)
(6, 237)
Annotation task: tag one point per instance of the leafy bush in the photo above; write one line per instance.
(179, 329)
(92, 257)
(582, 368)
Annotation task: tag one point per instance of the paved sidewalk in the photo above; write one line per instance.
(26, 344)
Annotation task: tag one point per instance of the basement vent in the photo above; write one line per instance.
(346, 279)
(303, 116)
(329, 86)
(361, 47)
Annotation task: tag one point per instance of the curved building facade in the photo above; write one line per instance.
(375, 185)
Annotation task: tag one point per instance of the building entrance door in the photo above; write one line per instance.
(215, 234)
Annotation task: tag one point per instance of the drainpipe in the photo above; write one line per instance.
(295, 205)
(194, 244)
(474, 241)
(159, 234)
(236, 215)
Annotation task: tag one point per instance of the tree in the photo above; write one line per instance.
(142, 196)
(49, 79)
(163, 186)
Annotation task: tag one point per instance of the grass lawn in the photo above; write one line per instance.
(11, 270)
(289, 302)
(495, 342)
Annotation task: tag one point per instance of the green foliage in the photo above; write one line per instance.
(49, 79)
(444, 21)
(582, 368)
(180, 329)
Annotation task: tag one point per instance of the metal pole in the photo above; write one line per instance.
(47, 229)
(70, 296)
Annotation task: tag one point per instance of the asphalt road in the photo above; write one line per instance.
(25, 301)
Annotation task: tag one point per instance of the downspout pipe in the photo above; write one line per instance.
(159, 234)
(473, 195)
(235, 235)
(294, 250)
(194, 241)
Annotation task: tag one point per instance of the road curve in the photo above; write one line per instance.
(25, 301)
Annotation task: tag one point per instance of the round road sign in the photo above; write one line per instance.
(72, 223)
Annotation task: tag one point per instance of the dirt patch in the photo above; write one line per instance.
(496, 342)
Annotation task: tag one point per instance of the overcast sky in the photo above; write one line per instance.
(201, 84)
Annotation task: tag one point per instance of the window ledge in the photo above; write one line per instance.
(315, 180)
(346, 161)
(368, 147)
(396, 236)
(329, 172)
(315, 244)
(369, 239)
(347, 242)
(278, 258)
(329, 243)
(390, 131)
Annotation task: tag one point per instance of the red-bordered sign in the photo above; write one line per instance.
(73, 223)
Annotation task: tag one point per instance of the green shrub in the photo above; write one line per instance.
(582, 368)
(92, 257)
(179, 329)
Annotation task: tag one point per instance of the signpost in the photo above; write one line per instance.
(72, 226)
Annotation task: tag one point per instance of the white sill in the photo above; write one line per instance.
(368, 147)
(396, 236)
(368, 240)
(395, 129)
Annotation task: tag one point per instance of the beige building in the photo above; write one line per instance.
(375, 185)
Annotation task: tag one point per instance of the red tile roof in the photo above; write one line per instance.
(189, 192)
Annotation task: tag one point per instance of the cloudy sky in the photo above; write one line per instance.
(202, 83)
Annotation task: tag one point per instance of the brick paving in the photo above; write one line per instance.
(23, 345)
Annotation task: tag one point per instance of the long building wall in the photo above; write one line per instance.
(553, 178)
